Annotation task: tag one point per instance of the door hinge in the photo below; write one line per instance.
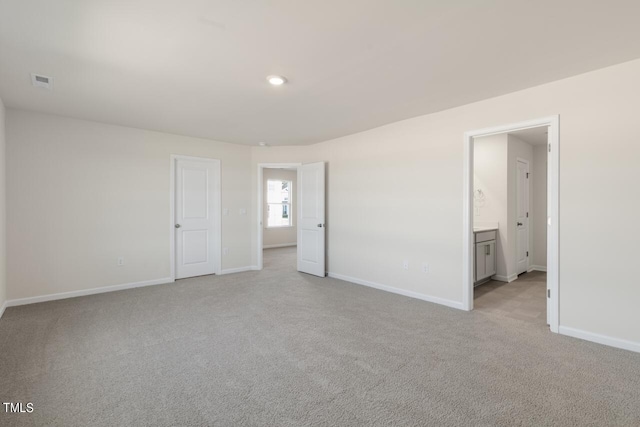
(527, 214)
(527, 175)
(549, 147)
(527, 253)
(548, 293)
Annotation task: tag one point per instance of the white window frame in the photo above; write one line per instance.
(289, 204)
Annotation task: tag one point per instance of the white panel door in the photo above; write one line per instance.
(311, 225)
(522, 217)
(194, 217)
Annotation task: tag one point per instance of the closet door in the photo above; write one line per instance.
(196, 217)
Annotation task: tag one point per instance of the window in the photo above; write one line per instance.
(279, 203)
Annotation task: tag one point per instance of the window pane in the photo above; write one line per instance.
(278, 215)
(279, 203)
(285, 190)
(278, 191)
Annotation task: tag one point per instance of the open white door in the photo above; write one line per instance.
(522, 217)
(311, 225)
(195, 217)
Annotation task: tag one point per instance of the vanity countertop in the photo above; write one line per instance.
(485, 228)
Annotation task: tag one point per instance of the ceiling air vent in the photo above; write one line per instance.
(38, 80)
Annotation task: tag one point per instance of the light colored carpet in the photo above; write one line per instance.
(279, 348)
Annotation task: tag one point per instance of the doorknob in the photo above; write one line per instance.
(519, 224)
(178, 226)
(320, 225)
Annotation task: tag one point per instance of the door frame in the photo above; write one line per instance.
(553, 230)
(216, 218)
(260, 210)
(528, 191)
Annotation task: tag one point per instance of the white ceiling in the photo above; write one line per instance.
(198, 67)
(533, 136)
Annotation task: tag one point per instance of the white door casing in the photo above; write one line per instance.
(522, 216)
(196, 217)
(311, 219)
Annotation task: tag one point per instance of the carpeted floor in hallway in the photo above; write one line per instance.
(280, 348)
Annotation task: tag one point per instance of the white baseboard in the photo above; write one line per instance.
(537, 268)
(410, 294)
(2, 308)
(238, 270)
(600, 339)
(281, 245)
(507, 279)
(84, 292)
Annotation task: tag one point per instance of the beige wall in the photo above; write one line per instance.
(280, 236)
(395, 193)
(539, 206)
(3, 210)
(81, 194)
(490, 176)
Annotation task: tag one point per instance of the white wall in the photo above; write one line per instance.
(3, 211)
(80, 194)
(539, 225)
(490, 176)
(395, 193)
(517, 148)
(280, 236)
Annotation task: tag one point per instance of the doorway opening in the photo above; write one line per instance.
(291, 216)
(511, 221)
(509, 204)
(278, 216)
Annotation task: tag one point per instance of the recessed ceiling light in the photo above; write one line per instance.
(262, 144)
(277, 80)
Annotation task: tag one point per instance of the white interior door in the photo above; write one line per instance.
(522, 217)
(311, 221)
(195, 217)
